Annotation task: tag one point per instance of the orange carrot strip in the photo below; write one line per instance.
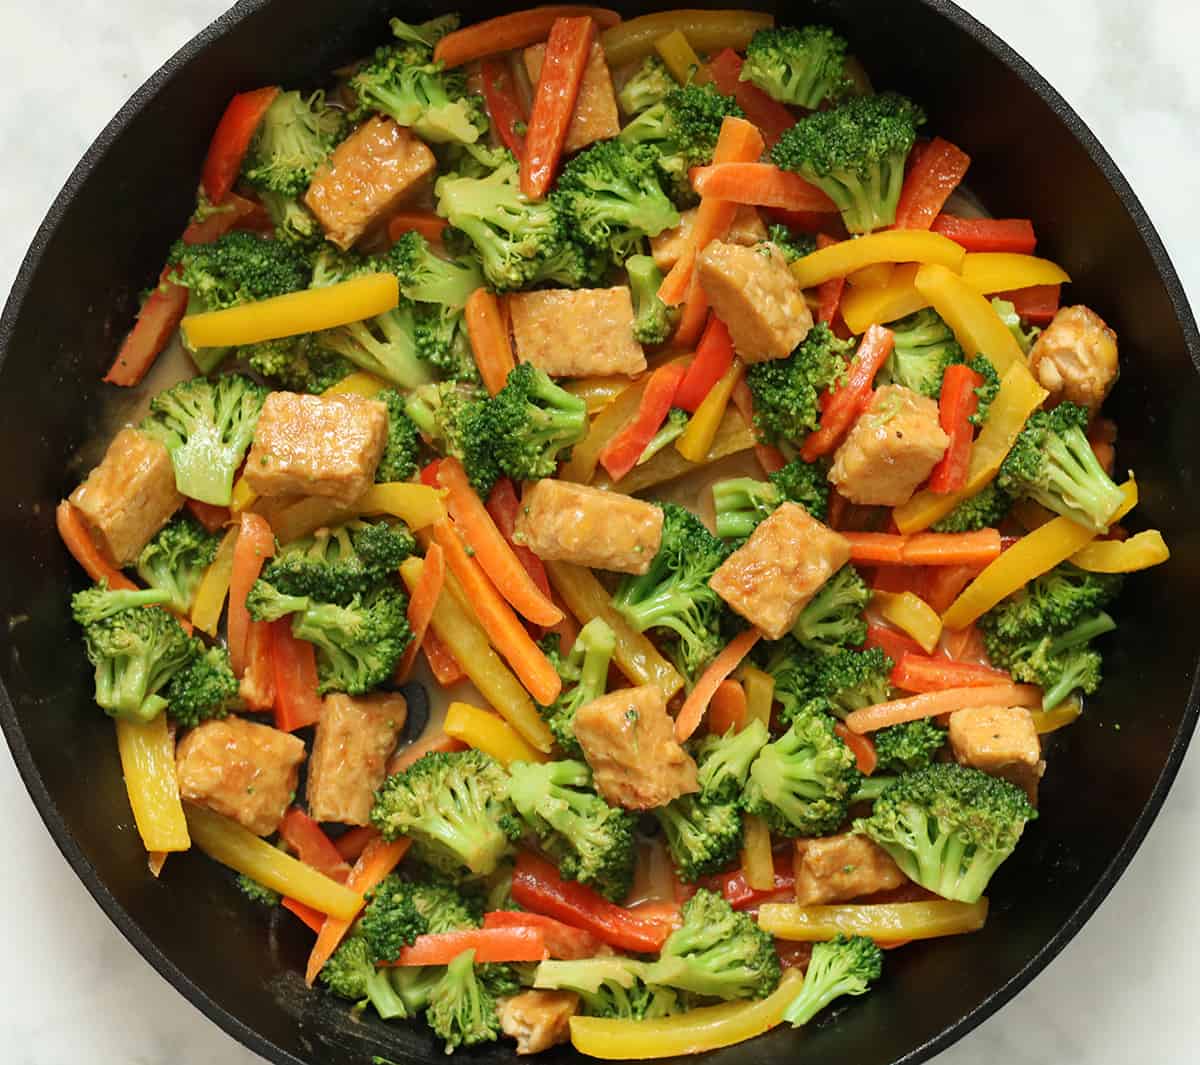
(951, 549)
(884, 548)
(491, 550)
(78, 540)
(376, 862)
(923, 673)
(862, 747)
(688, 718)
(523, 943)
(435, 743)
(428, 224)
(420, 606)
(489, 339)
(255, 544)
(562, 940)
(727, 710)
(156, 323)
(315, 919)
(442, 663)
(759, 185)
(515, 30)
(931, 704)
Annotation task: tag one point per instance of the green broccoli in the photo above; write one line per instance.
(456, 809)
(949, 827)
(530, 422)
(414, 984)
(391, 920)
(1050, 604)
(987, 391)
(1060, 664)
(653, 320)
(794, 670)
(257, 893)
(205, 688)
(841, 966)
(742, 502)
(292, 140)
(802, 782)
(386, 345)
(1053, 463)
(297, 364)
(207, 426)
(717, 952)
(850, 679)
(351, 973)
(907, 747)
(855, 153)
(294, 223)
(135, 646)
(1007, 311)
(403, 447)
(833, 618)
(427, 277)
(591, 841)
(453, 419)
(609, 987)
(672, 429)
(794, 246)
(673, 594)
(648, 85)
(984, 510)
(175, 560)
(358, 644)
(924, 347)
(786, 391)
(462, 1011)
(585, 677)
(724, 761)
(702, 837)
(803, 67)
(444, 907)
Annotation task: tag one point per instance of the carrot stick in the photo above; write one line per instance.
(952, 549)
(759, 185)
(524, 943)
(566, 59)
(420, 607)
(688, 718)
(376, 862)
(727, 710)
(428, 224)
(931, 704)
(862, 747)
(504, 506)
(436, 742)
(768, 114)
(504, 629)
(489, 339)
(937, 172)
(491, 551)
(442, 663)
(255, 544)
(829, 293)
(515, 30)
(78, 540)
(884, 548)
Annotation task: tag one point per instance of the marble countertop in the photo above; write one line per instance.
(1128, 69)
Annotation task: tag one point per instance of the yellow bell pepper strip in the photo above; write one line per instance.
(758, 866)
(878, 275)
(243, 497)
(634, 655)
(227, 842)
(148, 764)
(289, 315)
(912, 615)
(357, 384)
(1030, 557)
(489, 733)
(678, 56)
(889, 246)
(597, 392)
(417, 505)
(977, 326)
(864, 306)
(299, 519)
(706, 31)
(585, 455)
(1019, 396)
(694, 1032)
(702, 427)
(760, 693)
(214, 586)
(883, 922)
(454, 624)
(1066, 713)
(1142, 551)
(995, 271)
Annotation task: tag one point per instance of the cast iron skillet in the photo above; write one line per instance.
(104, 240)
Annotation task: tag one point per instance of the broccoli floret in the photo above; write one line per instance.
(924, 347)
(391, 920)
(702, 837)
(455, 806)
(648, 85)
(841, 966)
(403, 447)
(682, 128)
(452, 418)
(585, 677)
(529, 422)
(833, 618)
(855, 153)
(653, 320)
(1050, 604)
(385, 345)
(427, 277)
(717, 952)
(672, 429)
(907, 747)
(444, 907)
(609, 987)
(427, 33)
(292, 140)
(724, 761)
(414, 984)
(803, 67)
(1007, 311)
(296, 364)
(1059, 664)
(850, 679)
(205, 688)
(794, 246)
(135, 646)
(794, 670)
(257, 893)
(612, 196)
(673, 594)
(949, 827)
(591, 841)
(294, 223)
(984, 510)
(987, 391)
(1053, 464)
(462, 1011)
(742, 502)
(801, 784)
(175, 560)
(786, 391)
(351, 973)
(207, 426)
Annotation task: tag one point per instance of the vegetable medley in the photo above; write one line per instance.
(470, 327)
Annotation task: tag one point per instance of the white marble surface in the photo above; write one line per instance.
(1126, 985)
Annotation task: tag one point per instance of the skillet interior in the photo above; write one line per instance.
(104, 241)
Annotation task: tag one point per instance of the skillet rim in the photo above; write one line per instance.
(252, 1039)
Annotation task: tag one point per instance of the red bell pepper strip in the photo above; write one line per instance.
(741, 895)
(255, 544)
(234, 212)
(562, 940)
(759, 185)
(231, 139)
(503, 506)
(504, 107)
(156, 323)
(862, 747)
(1037, 304)
(955, 408)
(829, 293)
(308, 841)
(941, 585)
(809, 221)
(431, 226)
(257, 687)
(209, 515)
(429, 474)
(621, 453)
(489, 944)
(769, 115)
(892, 642)
(351, 843)
(988, 234)
(294, 664)
(898, 579)
(714, 356)
(923, 673)
(442, 663)
(537, 886)
(77, 538)
(936, 173)
(554, 102)
(315, 919)
(840, 406)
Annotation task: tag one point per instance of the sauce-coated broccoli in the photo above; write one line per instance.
(702, 837)
(842, 966)
(585, 676)
(802, 66)
(175, 560)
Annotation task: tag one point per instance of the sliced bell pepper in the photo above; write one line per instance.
(416, 505)
(841, 405)
(864, 306)
(991, 272)
(678, 56)
(357, 384)
(234, 212)
(922, 673)
(862, 747)
(1036, 305)
(911, 615)
(830, 293)
(1066, 713)
(988, 234)
(976, 325)
(706, 31)
(714, 356)
(351, 843)
(214, 586)
(147, 751)
(888, 246)
(767, 113)
(885, 922)
(891, 641)
(1141, 551)
(878, 275)
(741, 894)
(622, 452)
(431, 226)
(702, 427)
(231, 139)
(503, 105)
(294, 664)
(597, 392)
(503, 507)
(489, 733)
(562, 940)
(308, 841)
(212, 516)
(581, 466)
(760, 692)
(758, 870)
(956, 405)
(254, 545)
(156, 323)
(930, 180)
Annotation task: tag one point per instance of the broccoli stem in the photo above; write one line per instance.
(1081, 634)
(388, 1004)
(741, 503)
(1076, 476)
